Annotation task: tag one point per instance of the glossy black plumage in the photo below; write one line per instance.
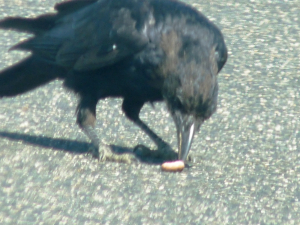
(141, 50)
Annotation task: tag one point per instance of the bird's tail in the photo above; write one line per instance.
(27, 75)
(44, 23)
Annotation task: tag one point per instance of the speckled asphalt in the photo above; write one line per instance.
(247, 159)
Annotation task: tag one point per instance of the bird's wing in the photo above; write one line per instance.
(102, 40)
(95, 36)
(68, 7)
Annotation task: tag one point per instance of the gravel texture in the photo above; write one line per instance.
(247, 159)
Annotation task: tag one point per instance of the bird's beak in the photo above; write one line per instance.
(185, 134)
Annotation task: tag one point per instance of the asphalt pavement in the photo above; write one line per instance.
(246, 167)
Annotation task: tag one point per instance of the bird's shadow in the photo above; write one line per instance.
(72, 146)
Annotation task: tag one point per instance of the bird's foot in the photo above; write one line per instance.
(107, 154)
(142, 151)
(163, 153)
(166, 152)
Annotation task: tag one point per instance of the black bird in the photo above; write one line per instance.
(140, 50)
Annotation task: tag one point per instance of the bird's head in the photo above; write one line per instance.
(190, 87)
(190, 101)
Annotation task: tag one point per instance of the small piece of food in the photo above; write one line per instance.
(173, 166)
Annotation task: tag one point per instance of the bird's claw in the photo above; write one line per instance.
(167, 152)
(142, 151)
(106, 154)
(164, 152)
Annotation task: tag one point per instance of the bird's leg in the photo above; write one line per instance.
(86, 121)
(86, 118)
(132, 110)
(164, 149)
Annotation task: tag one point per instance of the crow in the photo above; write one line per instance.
(139, 50)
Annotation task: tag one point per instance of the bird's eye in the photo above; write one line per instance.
(217, 55)
(110, 48)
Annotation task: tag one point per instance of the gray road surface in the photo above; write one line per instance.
(247, 159)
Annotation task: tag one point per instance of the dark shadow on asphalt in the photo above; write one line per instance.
(72, 146)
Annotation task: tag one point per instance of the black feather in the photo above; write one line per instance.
(140, 50)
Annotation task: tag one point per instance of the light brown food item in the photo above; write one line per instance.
(173, 166)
